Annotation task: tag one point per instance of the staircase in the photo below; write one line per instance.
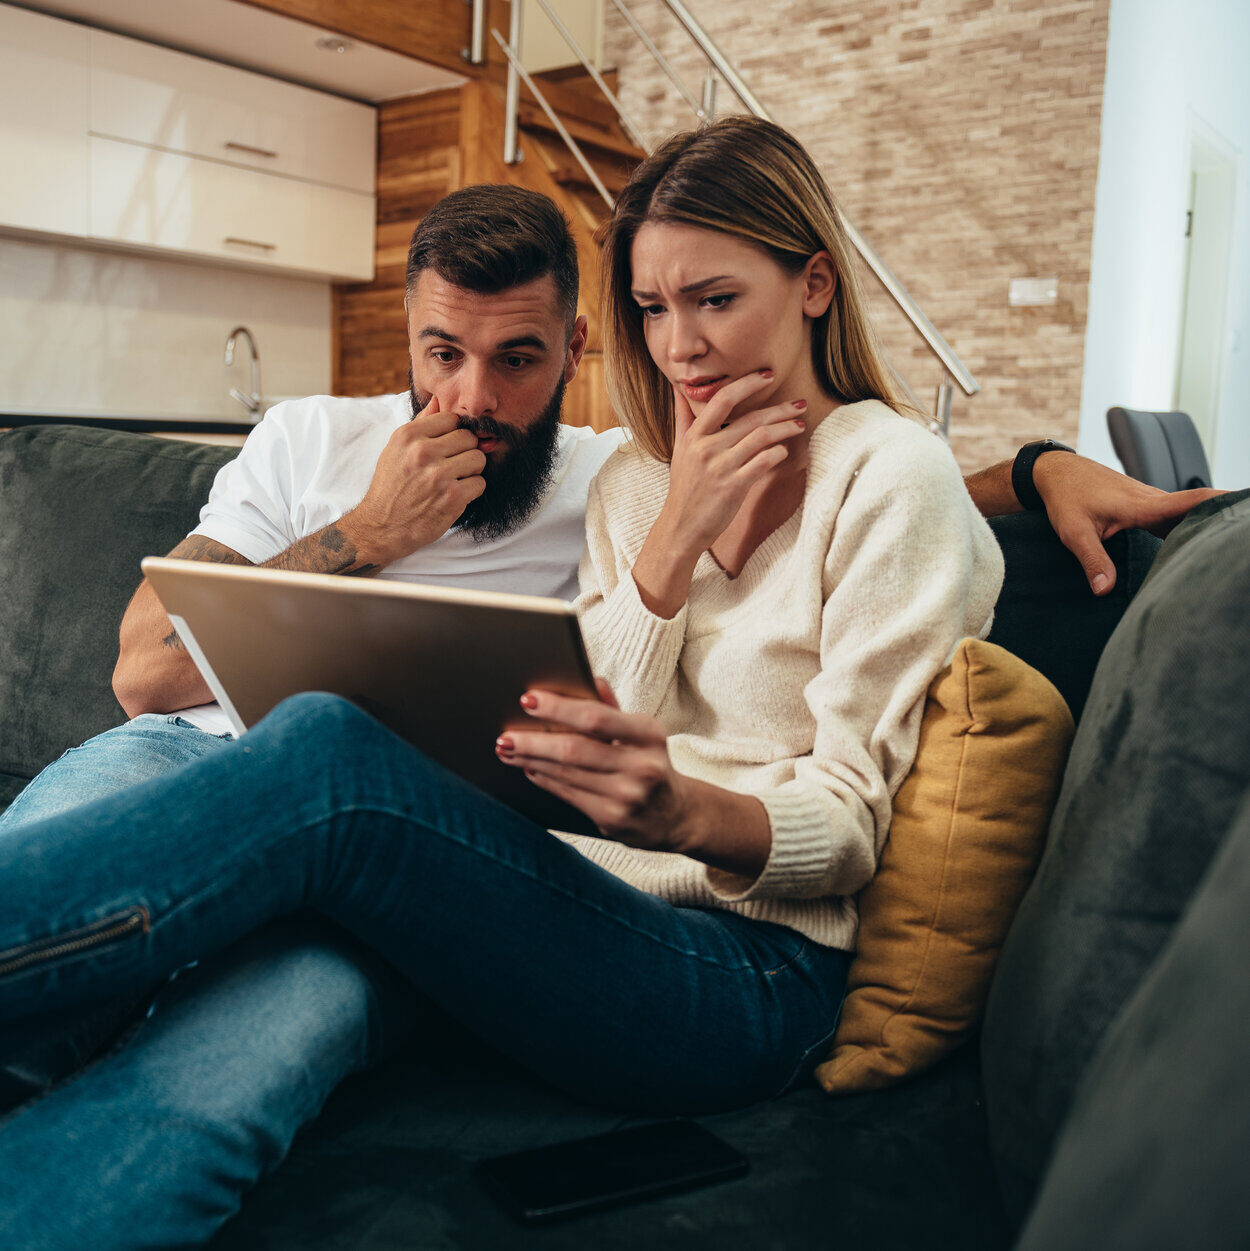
(592, 122)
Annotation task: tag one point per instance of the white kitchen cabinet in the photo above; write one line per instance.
(111, 140)
(43, 123)
(181, 103)
(144, 196)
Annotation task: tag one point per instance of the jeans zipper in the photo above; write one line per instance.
(110, 929)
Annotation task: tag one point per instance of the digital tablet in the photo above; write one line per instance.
(442, 668)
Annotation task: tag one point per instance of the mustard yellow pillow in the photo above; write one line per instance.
(968, 828)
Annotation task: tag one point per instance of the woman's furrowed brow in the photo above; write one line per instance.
(684, 290)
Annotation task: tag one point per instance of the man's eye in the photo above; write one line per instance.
(444, 356)
(516, 362)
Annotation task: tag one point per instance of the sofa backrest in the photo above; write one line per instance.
(79, 508)
(1159, 767)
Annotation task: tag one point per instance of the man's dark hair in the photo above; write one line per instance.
(492, 236)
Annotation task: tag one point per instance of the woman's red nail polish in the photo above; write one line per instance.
(767, 373)
(529, 701)
(799, 403)
(504, 743)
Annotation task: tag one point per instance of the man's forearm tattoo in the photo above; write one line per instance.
(172, 640)
(196, 547)
(329, 551)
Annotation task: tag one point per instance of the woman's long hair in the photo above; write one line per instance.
(750, 178)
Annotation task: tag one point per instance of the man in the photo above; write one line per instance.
(469, 479)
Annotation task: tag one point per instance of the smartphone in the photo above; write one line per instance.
(590, 1174)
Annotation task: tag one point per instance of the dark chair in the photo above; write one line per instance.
(1161, 449)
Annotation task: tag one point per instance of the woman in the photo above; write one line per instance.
(775, 572)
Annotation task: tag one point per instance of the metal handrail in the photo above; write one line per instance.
(897, 292)
(659, 59)
(894, 288)
(560, 129)
(717, 57)
(632, 130)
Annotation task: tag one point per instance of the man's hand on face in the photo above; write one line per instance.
(426, 476)
(1087, 503)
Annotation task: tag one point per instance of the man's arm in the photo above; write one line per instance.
(154, 672)
(1086, 503)
(425, 477)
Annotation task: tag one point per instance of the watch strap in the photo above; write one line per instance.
(1022, 472)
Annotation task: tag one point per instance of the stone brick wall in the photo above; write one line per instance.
(961, 137)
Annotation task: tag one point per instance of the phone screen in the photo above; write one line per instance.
(590, 1174)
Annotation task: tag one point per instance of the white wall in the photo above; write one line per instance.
(1170, 64)
(90, 332)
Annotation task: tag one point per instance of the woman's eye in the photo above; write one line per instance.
(719, 301)
(651, 310)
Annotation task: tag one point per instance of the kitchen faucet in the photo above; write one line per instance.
(253, 403)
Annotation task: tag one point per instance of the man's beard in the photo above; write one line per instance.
(518, 480)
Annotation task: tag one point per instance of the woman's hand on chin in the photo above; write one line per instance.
(716, 461)
(614, 767)
(610, 764)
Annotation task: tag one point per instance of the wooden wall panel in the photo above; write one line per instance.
(418, 163)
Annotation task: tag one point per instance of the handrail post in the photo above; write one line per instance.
(635, 134)
(556, 124)
(717, 57)
(707, 106)
(657, 56)
(941, 423)
(475, 53)
(512, 102)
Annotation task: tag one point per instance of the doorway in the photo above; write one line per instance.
(1209, 236)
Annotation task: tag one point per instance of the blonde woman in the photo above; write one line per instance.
(777, 566)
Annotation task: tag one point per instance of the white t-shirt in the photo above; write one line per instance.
(310, 461)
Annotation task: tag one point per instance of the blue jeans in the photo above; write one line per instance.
(124, 756)
(611, 994)
(232, 1058)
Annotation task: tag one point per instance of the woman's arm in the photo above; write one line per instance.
(648, 524)
(614, 767)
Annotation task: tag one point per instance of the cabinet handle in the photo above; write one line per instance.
(247, 147)
(251, 243)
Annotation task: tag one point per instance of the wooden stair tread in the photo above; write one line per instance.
(532, 117)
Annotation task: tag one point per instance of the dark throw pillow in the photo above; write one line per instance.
(1160, 762)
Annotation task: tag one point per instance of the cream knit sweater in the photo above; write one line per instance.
(802, 681)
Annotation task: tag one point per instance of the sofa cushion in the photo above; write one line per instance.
(1159, 763)
(389, 1167)
(1047, 615)
(79, 508)
(965, 838)
(1153, 1156)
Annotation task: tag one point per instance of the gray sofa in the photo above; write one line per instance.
(952, 1158)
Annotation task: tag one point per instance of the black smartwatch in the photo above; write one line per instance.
(1022, 472)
